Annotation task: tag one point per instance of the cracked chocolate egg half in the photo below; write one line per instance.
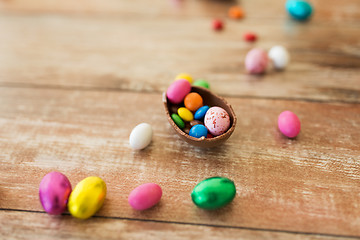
(211, 100)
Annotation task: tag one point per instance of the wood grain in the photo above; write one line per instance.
(305, 185)
(329, 10)
(144, 53)
(48, 227)
(77, 76)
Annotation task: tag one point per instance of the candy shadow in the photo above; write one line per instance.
(221, 214)
(143, 153)
(148, 213)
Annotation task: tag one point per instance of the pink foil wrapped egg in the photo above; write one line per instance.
(256, 61)
(289, 124)
(145, 196)
(54, 191)
(177, 91)
(217, 121)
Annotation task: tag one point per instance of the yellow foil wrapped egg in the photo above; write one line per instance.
(87, 197)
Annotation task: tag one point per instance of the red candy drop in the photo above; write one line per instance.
(209, 135)
(250, 37)
(217, 25)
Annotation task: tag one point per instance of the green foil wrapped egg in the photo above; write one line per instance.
(213, 193)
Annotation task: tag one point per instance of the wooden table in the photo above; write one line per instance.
(77, 76)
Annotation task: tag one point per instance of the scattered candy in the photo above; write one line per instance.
(213, 193)
(217, 121)
(256, 61)
(185, 76)
(200, 113)
(195, 122)
(54, 191)
(250, 37)
(198, 131)
(236, 12)
(185, 114)
(178, 90)
(145, 196)
(141, 136)
(178, 121)
(289, 124)
(193, 101)
(87, 198)
(299, 9)
(201, 83)
(279, 56)
(217, 25)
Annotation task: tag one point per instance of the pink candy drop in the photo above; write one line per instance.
(256, 61)
(289, 124)
(145, 196)
(178, 90)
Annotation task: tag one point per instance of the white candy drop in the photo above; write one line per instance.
(279, 56)
(141, 136)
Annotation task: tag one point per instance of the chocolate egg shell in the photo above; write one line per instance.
(210, 99)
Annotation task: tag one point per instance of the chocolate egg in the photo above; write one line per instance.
(209, 99)
(217, 121)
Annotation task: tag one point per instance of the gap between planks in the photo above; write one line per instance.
(199, 224)
(128, 90)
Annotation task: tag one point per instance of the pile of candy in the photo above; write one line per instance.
(190, 113)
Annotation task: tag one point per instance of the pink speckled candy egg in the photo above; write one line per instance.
(289, 124)
(54, 192)
(256, 61)
(177, 91)
(217, 121)
(145, 196)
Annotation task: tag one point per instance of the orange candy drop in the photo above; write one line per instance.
(236, 12)
(193, 101)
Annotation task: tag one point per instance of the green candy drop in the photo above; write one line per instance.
(213, 193)
(201, 83)
(178, 121)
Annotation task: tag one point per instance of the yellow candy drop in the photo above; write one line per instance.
(87, 197)
(184, 76)
(185, 114)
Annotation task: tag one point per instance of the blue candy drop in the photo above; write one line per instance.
(299, 9)
(200, 113)
(198, 131)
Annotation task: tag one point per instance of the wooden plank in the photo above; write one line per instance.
(21, 225)
(305, 185)
(144, 54)
(325, 10)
